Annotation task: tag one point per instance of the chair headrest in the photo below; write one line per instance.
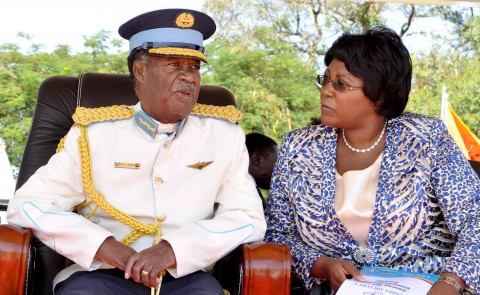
(216, 95)
(100, 89)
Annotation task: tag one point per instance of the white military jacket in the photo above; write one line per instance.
(204, 212)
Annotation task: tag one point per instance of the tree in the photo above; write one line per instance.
(308, 25)
(268, 55)
(300, 23)
(470, 35)
(21, 74)
(274, 90)
(459, 73)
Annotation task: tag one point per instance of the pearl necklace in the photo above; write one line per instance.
(368, 149)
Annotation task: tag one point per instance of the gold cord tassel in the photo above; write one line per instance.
(139, 228)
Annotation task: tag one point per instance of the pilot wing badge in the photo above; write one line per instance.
(200, 165)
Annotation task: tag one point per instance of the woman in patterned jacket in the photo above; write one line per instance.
(371, 185)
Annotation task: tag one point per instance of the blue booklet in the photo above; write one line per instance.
(388, 281)
(386, 272)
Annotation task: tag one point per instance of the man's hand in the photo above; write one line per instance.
(335, 271)
(114, 253)
(145, 266)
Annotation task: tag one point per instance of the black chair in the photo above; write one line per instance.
(475, 166)
(28, 266)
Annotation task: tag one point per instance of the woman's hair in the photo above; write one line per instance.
(379, 57)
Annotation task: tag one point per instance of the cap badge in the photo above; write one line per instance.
(185, 20)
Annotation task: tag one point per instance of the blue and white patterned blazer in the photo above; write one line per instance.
(427, 207)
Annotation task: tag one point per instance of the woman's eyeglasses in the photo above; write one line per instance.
(338, 85)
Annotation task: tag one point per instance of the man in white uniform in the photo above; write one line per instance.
(149, 193)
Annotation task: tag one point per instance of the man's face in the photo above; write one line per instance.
(263, 166)
(167, 87)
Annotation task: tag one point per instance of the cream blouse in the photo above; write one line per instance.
(355, 193)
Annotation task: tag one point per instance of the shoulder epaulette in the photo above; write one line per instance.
(230, 112)
(85, 116)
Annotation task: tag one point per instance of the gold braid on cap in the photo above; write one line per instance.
(178, 51)
(230, 112)
(82, 118)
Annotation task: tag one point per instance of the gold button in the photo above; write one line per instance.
(161, 217)
(158, 180)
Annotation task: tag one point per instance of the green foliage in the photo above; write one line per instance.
(273, 89)
(352, 16)
(464, 92)
(266, 53)
(304, 25)
(471, 35)
(457, 71)
(21, 75)
(459, 74)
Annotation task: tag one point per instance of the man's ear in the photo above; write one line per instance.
(139, 68)
(256, 158)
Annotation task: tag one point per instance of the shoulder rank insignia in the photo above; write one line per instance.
(85, 116)
(146, 123)
(230, 112)
(200, 165)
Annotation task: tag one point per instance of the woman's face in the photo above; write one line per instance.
(347, 109)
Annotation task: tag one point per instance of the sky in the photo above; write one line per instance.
(53, 22)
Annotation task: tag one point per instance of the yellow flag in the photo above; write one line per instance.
(463, 136)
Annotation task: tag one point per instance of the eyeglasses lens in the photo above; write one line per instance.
(322, 80)
(337, 84)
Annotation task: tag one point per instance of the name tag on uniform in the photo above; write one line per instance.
(127, 165)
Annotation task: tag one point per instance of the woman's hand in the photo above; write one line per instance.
(335, 271)
(441, 287)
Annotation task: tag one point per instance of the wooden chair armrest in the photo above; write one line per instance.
(256, 268)
(15, 256)
(266, 268)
